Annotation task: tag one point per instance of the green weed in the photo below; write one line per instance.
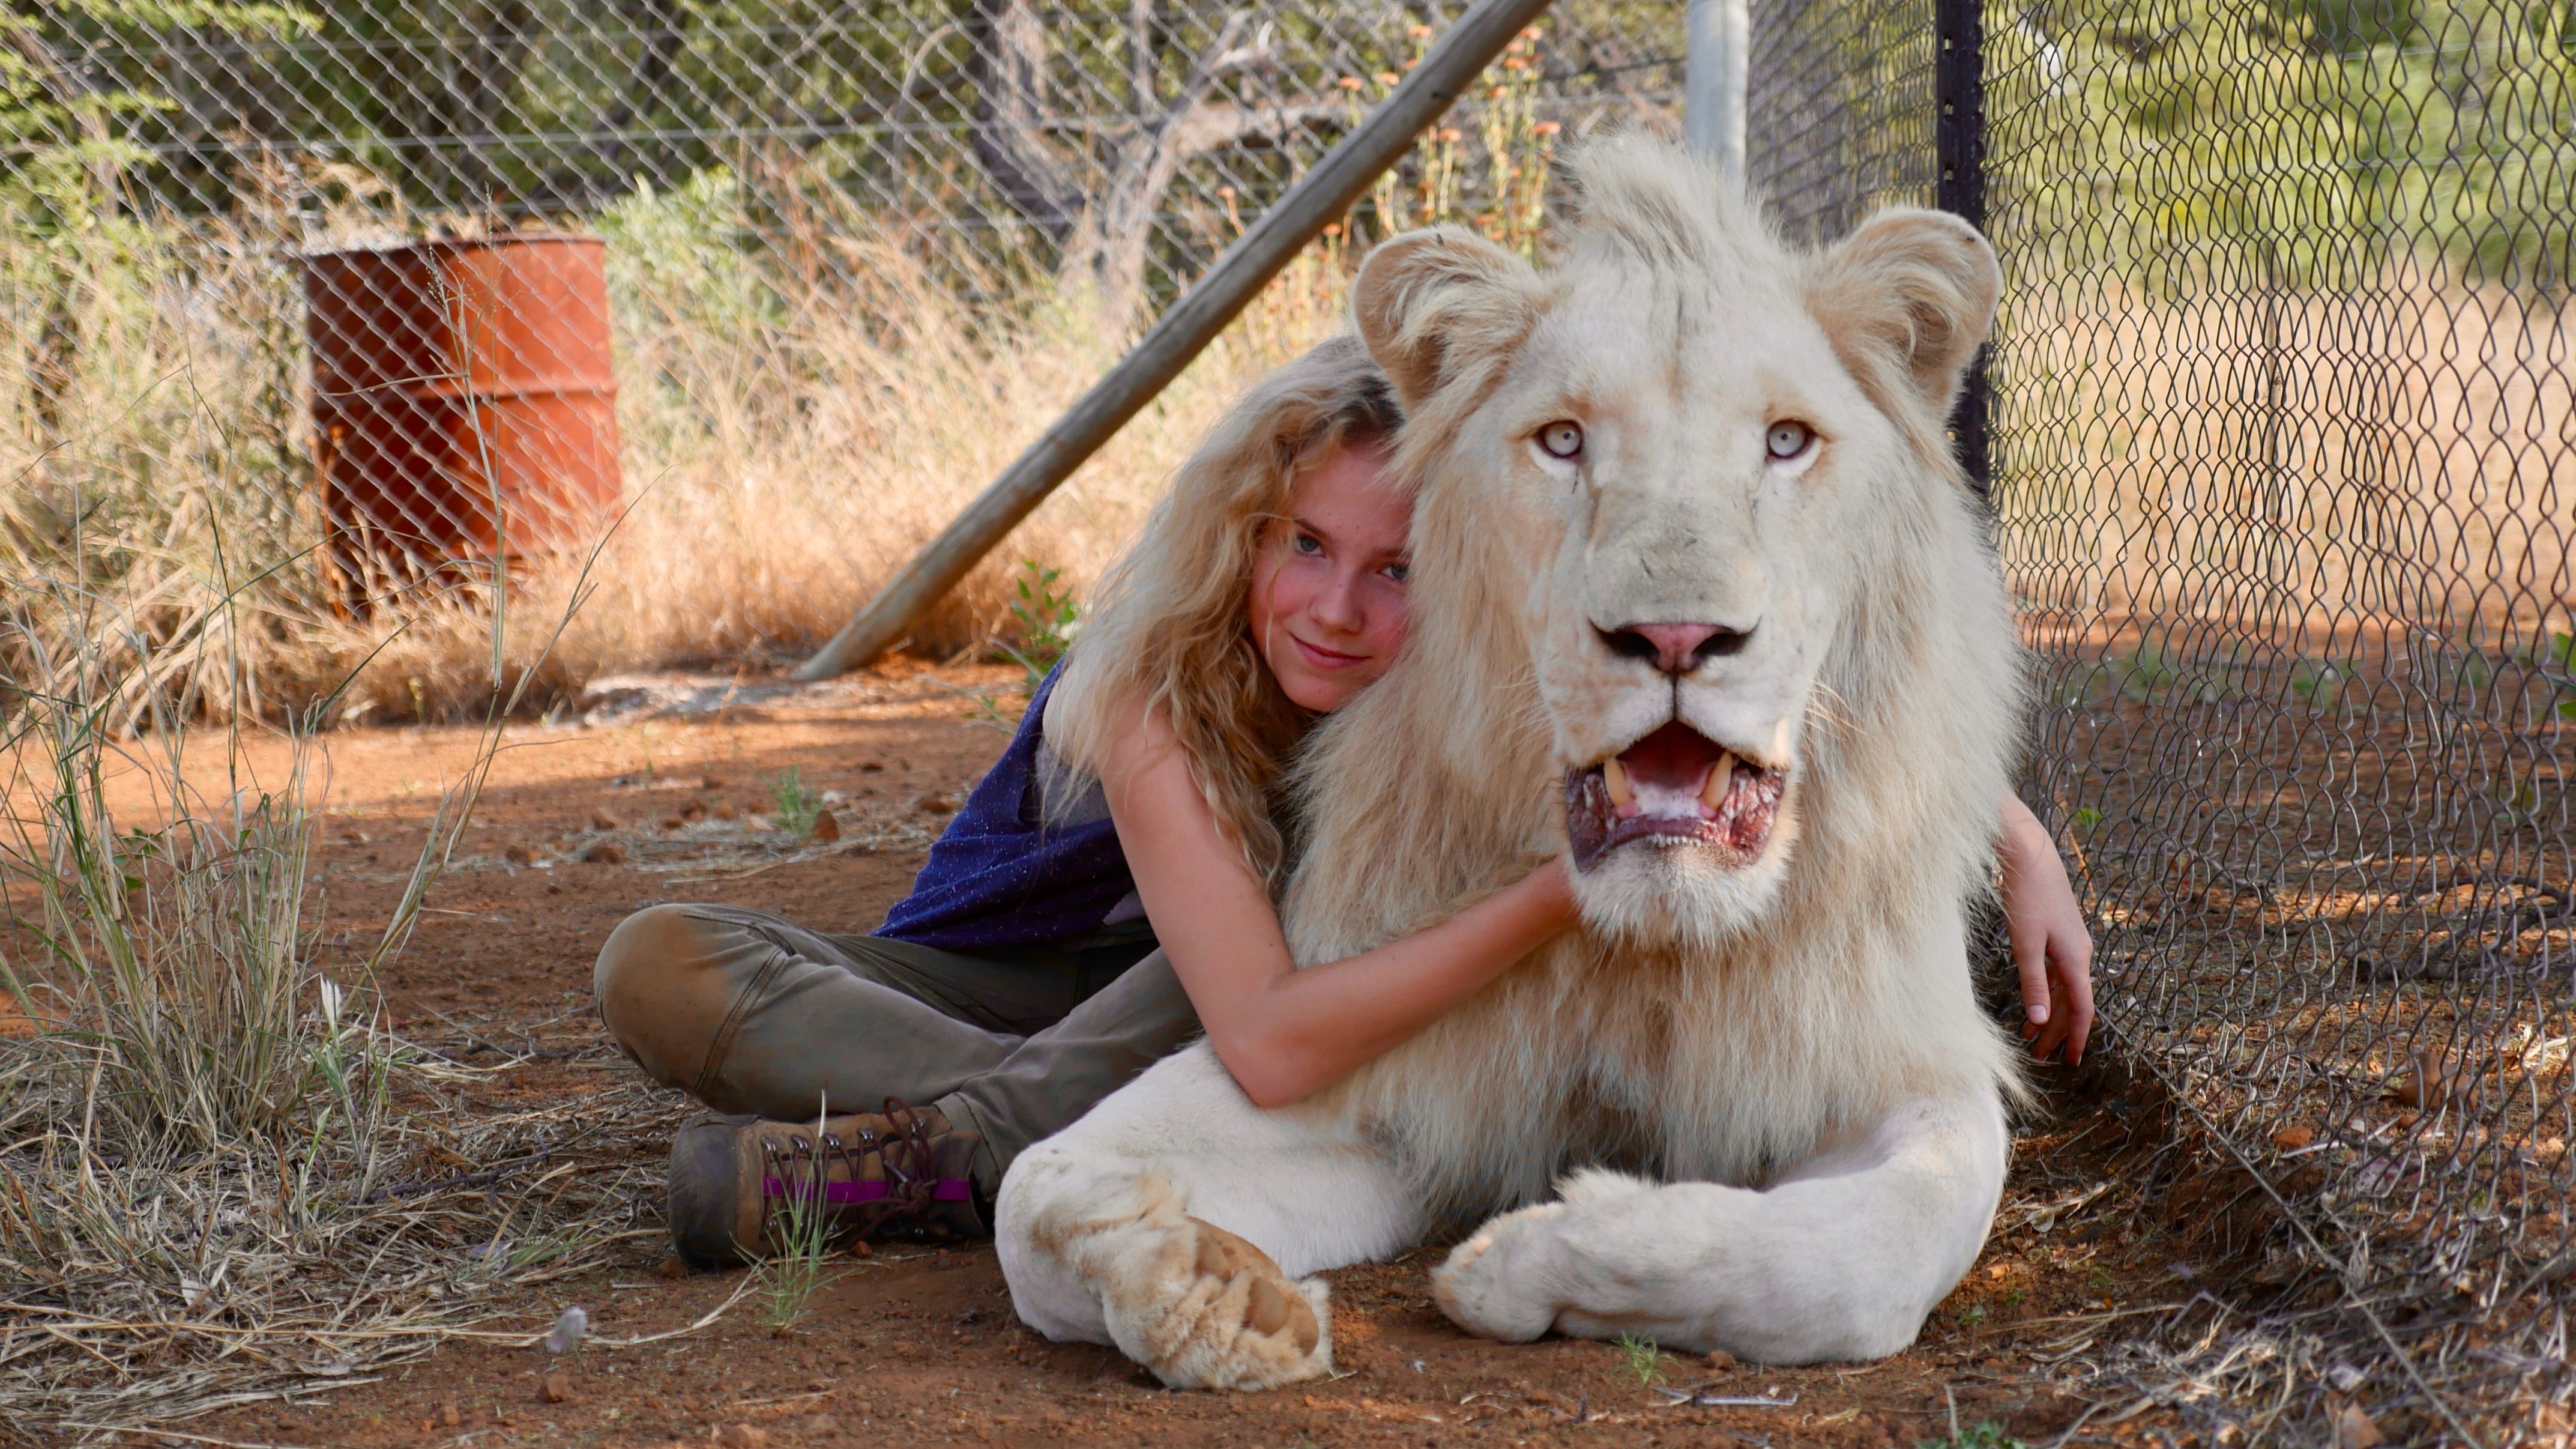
(1641, 1356)
(1048, 617)
(799, 804)
(802, 1234)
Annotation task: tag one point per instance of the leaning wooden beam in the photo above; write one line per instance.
(1191, 323)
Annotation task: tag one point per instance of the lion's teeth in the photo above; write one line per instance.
(1721, 777)
(1614, 777)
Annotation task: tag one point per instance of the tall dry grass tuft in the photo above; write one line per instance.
(219, 1171)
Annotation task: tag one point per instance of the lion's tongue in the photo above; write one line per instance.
(1669, 774)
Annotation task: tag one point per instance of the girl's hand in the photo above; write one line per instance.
(2050, 944)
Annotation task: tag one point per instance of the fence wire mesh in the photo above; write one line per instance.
(794, 197)
(2284, 438)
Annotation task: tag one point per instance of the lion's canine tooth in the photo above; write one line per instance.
(1614, 778)
(1720, 776)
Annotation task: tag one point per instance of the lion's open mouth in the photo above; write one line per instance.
(1674, 787)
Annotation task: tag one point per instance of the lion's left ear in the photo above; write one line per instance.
(1432, 302)
(1907, 300)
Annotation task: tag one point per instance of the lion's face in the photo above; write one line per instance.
(1687, 465)
(1691, 462)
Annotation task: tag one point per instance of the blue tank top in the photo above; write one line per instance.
(1003, 875)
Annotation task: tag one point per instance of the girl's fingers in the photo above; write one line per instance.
(2030, 959)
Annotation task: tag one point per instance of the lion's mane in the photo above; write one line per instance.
(1716, 1061)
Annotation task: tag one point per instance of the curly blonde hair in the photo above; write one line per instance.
(1169, 624)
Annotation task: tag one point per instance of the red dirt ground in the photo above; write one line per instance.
(916, 1346)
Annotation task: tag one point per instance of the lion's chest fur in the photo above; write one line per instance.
(1702, 1069)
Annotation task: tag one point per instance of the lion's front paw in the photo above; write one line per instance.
(1478, 1289)
(1220, 1315)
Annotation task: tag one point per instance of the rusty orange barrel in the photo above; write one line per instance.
(463, 406)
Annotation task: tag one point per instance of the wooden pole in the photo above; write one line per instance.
(1324, 194)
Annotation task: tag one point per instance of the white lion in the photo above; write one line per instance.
(1698, 592)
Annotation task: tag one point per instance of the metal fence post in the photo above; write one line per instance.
(1959, 146)
(1716, 79)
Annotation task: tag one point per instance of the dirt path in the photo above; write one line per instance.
(913, 1346)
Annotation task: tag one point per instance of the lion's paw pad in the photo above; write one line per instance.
(1238, 1322)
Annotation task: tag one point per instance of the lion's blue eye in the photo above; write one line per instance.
(1789, 439)
(1561, 440)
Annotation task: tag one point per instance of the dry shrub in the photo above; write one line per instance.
(222, 1175)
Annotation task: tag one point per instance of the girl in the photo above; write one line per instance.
(1068, 931)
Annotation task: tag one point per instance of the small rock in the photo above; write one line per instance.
(724, 811)
(557, 1389)
(710, 782)
(606, 852)
(450, 1416)
(353, 837)
(554, 888)
(1998, 1270)
(672, 822)
(2354, 1430)
(744, 1436)
(2292, 1138)
(520, 855)
(821, 1424)
(673, 1268)
(935, 804)
(602, 820)
(827, 826)
(862, 1250)
(871, 767)
(1720, 1361)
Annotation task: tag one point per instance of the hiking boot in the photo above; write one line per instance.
(741, 1187)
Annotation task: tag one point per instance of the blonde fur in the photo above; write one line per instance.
(1168, 625)
(1700, 1057)
(1763, 1089)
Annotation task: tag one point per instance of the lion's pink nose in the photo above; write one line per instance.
(1675, 648)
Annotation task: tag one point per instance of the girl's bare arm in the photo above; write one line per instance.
(1282, 1032)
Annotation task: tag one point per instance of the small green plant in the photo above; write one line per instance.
(1644, 1357)
(1048, 617)
(799, 804)
(2086, 817)
(803, 1236)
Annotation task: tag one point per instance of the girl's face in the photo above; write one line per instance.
(1328, 588)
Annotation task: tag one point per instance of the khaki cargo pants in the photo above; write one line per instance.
(749, 1012)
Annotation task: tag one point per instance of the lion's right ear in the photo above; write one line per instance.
(1906, 301)
(1428, 301)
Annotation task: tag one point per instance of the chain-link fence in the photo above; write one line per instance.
(2284, 440)
(805, 206)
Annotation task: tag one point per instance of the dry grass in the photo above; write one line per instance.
(797, 418)
(221, 1175)
(2307, 462)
